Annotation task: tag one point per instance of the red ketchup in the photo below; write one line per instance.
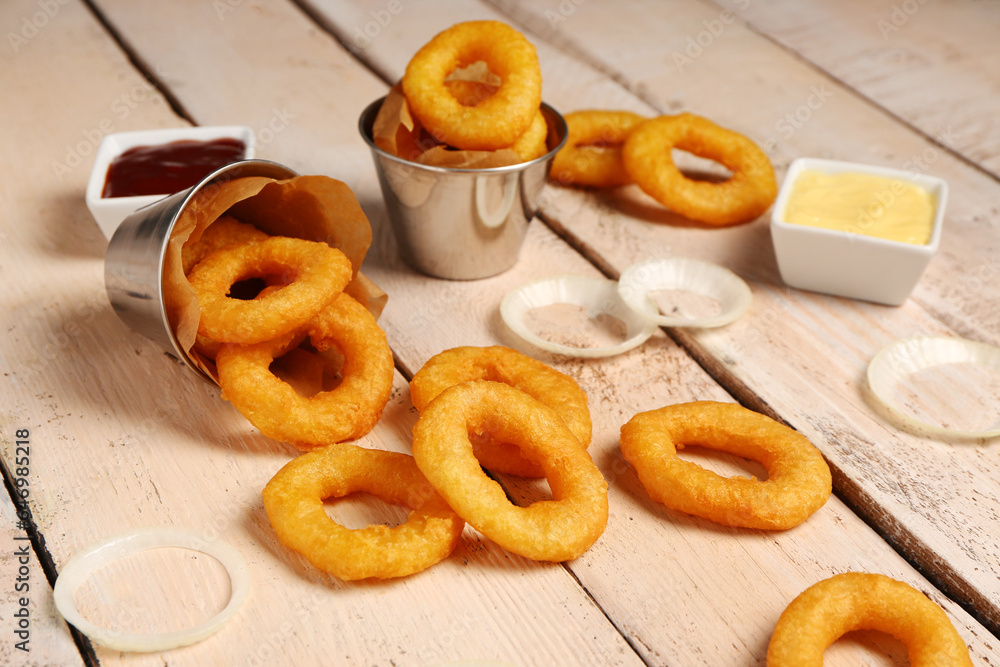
(168, 168)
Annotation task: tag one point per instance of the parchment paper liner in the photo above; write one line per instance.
(316, 208)
(397, 132)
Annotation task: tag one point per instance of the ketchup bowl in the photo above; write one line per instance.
(179, 162)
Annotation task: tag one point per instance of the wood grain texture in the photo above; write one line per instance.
(133, 439)
(136, 440)
(34, 632)
(800, 355)
(931, 64)
(574, 87)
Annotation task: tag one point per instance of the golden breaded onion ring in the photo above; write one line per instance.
(313, 275)
(346, 412)
(551, 530)
(293, 500)
(749, 192)
(798, 480)
(855, 601)
(533, 143)
(495, 122)
(592, 155)
(503, 364)
(225, 231)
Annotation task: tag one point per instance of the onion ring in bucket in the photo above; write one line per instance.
(495, 122)
(319, 274)
(502, 364)
(293, 500)
(749, 192)
(551, 530)
(98, 555)
(225, 231)
(854, 601)
(798, 482)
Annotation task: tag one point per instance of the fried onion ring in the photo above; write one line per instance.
(294, 498)
(503, 364)
(495, 122)
(346, 412)
(225, 231)
(749, 192)
(798, 480)
(532, 144)
(592, 155)
(551, 530)
(315, 273)
(854, 601)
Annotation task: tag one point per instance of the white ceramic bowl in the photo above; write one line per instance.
(847, 264)
(109, 212)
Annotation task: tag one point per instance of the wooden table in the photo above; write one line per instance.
(122, 436)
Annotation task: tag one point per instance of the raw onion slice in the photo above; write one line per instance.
(638, 281)
(902, 358)
(98, 555)
(594, 295)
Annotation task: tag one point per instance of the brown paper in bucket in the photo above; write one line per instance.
(398, 133)
(315, 208)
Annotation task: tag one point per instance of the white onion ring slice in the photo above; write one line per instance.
(594, 295)
(901, 358)
(96, 556)
(688, 275)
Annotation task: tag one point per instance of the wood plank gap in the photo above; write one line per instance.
(333, 30)
(942, 576)
(583, 248)
(141, 65)
(852, 90)
(630, 639)
(48, 564)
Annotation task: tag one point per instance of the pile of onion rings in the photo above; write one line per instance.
(279, 325)
(798, 482)
(293, 500)
(503, 364)
(554, 530)
(855, 601)
(469, 97)
(613, 148)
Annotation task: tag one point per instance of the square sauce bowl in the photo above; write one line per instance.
(852, 261)
(110, 211)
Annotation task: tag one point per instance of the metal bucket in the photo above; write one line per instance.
(133, 265)
(461, 224)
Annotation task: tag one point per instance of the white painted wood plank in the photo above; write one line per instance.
(800, 354)
(574, 87)
(31, 630)
(932, 64)
(132, 439)
(145, 463)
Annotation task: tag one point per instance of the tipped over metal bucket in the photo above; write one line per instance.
(134, 263)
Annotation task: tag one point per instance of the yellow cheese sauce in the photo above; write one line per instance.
(885, 208)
